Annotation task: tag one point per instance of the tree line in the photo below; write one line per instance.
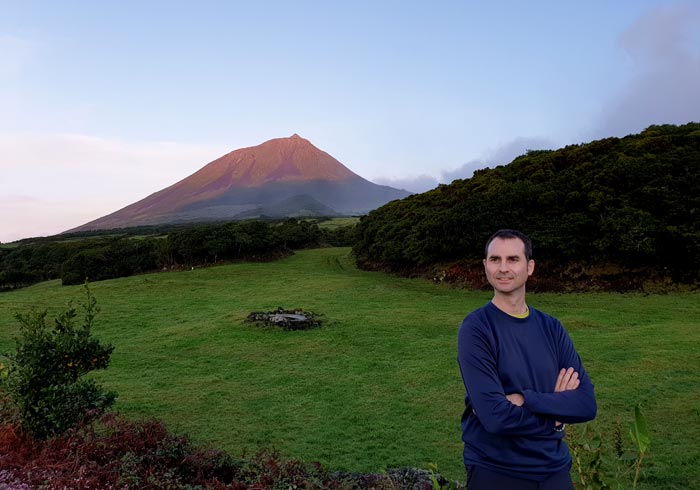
(614, 213)
(119, 253)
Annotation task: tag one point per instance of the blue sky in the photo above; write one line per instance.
(103, 103)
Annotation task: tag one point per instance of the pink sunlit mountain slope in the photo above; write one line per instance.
(281, 177)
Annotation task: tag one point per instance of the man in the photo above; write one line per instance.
(523, 378)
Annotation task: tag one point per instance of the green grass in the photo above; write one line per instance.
(377, 386)
(333, 223)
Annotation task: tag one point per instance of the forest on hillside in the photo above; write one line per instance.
(100, 255)
(616, 213)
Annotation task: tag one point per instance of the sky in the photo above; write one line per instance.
(103, 103)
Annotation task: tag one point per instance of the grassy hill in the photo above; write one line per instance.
(378, 385)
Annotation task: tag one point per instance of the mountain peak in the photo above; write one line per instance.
(291, 159)
(251, 177)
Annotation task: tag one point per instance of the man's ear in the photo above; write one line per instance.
(530, 267)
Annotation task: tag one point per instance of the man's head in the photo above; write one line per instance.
(508, 262)
(510, 234)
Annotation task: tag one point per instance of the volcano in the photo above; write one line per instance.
(279, 178)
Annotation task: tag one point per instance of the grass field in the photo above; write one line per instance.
(377, 386)
(333, 223)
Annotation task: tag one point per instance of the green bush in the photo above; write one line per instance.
(627, 204)
(45, 373)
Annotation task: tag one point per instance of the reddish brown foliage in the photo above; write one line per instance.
(115, 453)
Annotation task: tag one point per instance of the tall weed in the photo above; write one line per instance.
(599, 469)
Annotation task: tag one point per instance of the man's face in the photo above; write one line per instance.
(505, 264)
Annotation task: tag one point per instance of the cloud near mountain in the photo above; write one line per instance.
(663, 49)
(501, 155)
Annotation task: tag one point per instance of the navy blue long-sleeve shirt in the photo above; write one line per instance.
(499, 354)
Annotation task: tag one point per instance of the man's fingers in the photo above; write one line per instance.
(573, 381)
(567, 380)
(560, 381)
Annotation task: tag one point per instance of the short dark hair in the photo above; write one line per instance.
(509, 234)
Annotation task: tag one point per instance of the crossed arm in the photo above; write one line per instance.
(567, 380)
(526, 412)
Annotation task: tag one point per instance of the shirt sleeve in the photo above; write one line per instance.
(477, 364)
(573, 406)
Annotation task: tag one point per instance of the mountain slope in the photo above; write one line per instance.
(252, 178)
(295, 206)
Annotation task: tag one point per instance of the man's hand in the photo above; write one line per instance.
(516, 399)
(567, 380)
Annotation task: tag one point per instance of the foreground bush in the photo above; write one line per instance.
(44, 378)
(114, 453)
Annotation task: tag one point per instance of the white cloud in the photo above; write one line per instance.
(420, 183)
(664, 49)
(55, 182)
(464, 171)
(501, 155)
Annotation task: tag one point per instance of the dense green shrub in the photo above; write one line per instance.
(296, 234)
(120, 253)
(206, 244)
(343, 236)
(28, 263)
(118, 257)
(45, 375)
(624, 209)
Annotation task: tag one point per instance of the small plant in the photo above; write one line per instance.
(591, 461)
(44, 377)
(440, 482)
(587, 452)
(640, 436)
